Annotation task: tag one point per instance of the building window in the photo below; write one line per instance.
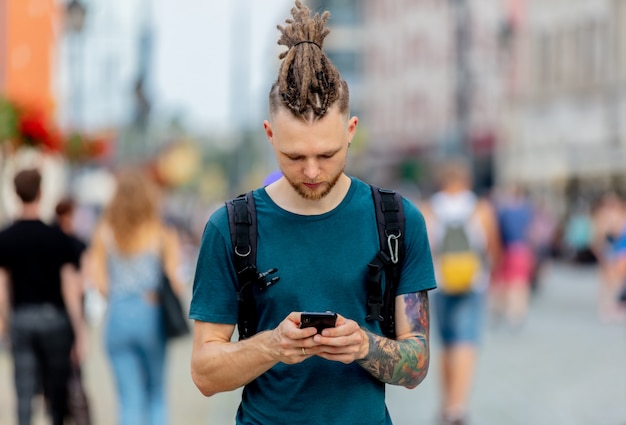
(578, 55)
(568, 57)
(599, 44)
(561, 52)
(342, 12)
(620, 28)
(542, 61)
(593, 53)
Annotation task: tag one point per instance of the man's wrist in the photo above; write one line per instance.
(263, 341)
(366, 342)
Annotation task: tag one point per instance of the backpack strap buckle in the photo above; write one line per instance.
(374, 311)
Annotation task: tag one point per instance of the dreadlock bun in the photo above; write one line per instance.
(308, 83)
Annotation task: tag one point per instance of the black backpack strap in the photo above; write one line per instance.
(390, 222)
(242, 223)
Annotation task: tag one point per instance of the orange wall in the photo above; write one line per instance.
(30, 41)
(3, 56)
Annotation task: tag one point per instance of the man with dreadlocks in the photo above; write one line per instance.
(317, 226)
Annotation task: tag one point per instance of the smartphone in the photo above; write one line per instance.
(319, 320)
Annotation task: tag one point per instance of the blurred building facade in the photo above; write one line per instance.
(427, 81)
(563, 126)
(103, 64)
(532, 90)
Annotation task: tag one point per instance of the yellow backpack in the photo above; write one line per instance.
(459, 263)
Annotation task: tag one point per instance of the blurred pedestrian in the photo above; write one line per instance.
(609, 247)
(513, 273)
(316, 227)
(542, 234)
(78, 405)
(40, 285)
(130, 247)
(465, 244)
(64, 220)
(578, 234)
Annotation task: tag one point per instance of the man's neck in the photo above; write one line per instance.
(30, 211)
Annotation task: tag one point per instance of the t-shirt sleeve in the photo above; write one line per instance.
(75, 254)
(214, 297)
(67, 251)
(418, 273)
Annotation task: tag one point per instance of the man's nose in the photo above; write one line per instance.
(311, 169)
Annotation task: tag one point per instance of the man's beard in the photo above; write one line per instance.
(315, 195)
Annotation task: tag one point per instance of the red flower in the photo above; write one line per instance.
(33, 128)
(35, 131)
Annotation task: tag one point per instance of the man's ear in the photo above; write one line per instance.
(352, 124)
(268, 130)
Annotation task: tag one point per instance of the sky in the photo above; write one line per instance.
(193, 52)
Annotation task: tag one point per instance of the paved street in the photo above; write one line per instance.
(563, 368)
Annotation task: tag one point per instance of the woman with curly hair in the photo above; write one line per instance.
(130, 247)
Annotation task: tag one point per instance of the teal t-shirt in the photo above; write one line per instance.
(322, 263)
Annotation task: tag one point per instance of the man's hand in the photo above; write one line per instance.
(79, 349)
(4, 333)
(290, 344)
(345, 343)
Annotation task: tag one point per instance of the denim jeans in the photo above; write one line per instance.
(135, 343)
(459, 318)
(41, 341)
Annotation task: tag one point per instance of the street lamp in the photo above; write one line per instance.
(75, 14)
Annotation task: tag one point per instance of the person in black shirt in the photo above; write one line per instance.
(65, 221)
(78, 411)
(39, 286)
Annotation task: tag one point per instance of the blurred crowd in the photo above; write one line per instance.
(54, 283)
(491, 253)
(117, 261)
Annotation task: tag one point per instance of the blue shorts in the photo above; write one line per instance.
(459, 318)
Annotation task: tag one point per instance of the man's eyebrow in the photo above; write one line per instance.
(330, 152)
(326, 154)
(301, 155)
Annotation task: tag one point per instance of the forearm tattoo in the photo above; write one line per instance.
(403, 362)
